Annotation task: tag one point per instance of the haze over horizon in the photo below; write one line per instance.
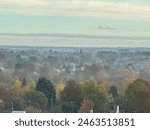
(72, 40)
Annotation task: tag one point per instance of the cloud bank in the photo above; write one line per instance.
(89, 8)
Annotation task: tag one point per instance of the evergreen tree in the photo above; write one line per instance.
(24, 82)
(45, 86)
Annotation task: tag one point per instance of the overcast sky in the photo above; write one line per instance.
(87, 17)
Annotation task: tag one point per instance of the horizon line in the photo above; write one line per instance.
(72, 35)
(32, 46)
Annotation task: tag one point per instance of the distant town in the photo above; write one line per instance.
(70, 79)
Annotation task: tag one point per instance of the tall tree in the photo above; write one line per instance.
(113, 91)
(24, 82)
(45, 86)
(71, 96)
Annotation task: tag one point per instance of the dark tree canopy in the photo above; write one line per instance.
(138, 96)
(24, 82)
(72, 95)
(113, 90)
(45, 86)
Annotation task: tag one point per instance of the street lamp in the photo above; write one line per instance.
(105, 107)
(52, 101)
(71, 106)
(51, 104)
(12, 106)
(30, 103)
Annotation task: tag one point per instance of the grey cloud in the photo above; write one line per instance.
(106, 28)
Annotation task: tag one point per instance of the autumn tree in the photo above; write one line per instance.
(13, 102)
(71, 97)
(15, 86)
(59, 88)
(144, 73)
(87, 106)
(138, 96)
(45, 86)
(32, 109)
(92, 91)
(31, 83)
(2, 89)
(18, 103)
(2, 105)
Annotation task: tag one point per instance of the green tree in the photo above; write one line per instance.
(36, 99)
(123, 105)
(24, 82)
(45, 86)
(113, 90)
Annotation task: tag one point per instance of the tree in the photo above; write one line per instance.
(32, 109)
(87, 106)
(2, 89)
(18, 103)
(2, 105)
(113, 91)
(18, 57)
(16, 85)
(138, 96)
(18, 66)
(31, 83)
(57, 109)
(45, 86)
(46, 71)
(92, 91)
(144, 73)
(142, 102)
(67, 107)
(36, 99)
(123, 105)
(71, 96)
(59, 88)
(13, 102)
(24, 82)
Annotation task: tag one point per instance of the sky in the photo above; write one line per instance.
(72, 17)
